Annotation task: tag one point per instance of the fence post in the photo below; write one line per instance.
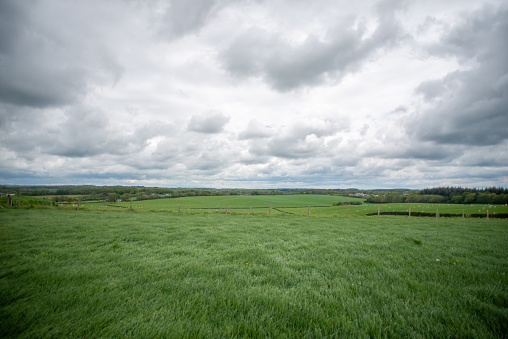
(346, 211)
(378, 210)
(410, 211)
(462, 214)
(227, 205)
(19, 199)
(437, 213)
(131, 205)
(308, 211)
(79, 202)
(487, 214)
(270, 210)
(179, 205)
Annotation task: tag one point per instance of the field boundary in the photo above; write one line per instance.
(444, 215)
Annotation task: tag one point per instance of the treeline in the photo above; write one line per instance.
(342, 203)
(70, 193)
(460, 195)
(447, 195)
(387, 198)
(451, 191)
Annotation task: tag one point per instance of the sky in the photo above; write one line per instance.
(254, 93)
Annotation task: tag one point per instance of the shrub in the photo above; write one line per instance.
(342, 203)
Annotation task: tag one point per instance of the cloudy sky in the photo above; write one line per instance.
(254, 93)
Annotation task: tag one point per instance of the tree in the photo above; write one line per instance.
(484, 198)
(457, 199)
(111, 197)
(500, 199)
(470, 198)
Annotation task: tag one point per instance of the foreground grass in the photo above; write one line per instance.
(89, 273)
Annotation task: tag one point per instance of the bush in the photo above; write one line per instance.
(342, 203)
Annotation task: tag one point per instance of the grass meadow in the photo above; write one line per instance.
(253, 204)
(91, 273)
(320, 206)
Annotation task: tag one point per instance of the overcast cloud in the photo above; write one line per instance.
(250, 93)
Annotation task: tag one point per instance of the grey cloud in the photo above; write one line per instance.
(469, 107)
(208, 123)
(206, 162)
(12, 13)
(27, 83)
(291, 148)
(468, 39)
(301, 139)
(47, 58)
(183, 17)
(319, 128)
(154, 129)
(424, 151)
(79, 131)
(24, 131)
(214, 156)
(487, 156)
(435, 89)
(317, 172)
(82, 134)
(252, 159)
(286, 66)
(255, 130)
(85, 131)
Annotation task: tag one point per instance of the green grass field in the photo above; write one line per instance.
(66, 273)
(239, 204)
(320, 206)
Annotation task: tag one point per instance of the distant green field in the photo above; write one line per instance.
(66, 273)
(320, 206)
(238, 204)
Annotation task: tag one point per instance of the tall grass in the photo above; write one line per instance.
(107, 274)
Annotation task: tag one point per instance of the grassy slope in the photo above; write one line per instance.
(236, 202)
(293, 204)
(68, 273)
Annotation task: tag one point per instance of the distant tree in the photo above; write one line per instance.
(457, 199)
(470, 198)
(500, 199)
(484, 198)
(437, 199)
(111, 197)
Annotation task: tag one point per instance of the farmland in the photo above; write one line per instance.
(298, 204)
(104, 271)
